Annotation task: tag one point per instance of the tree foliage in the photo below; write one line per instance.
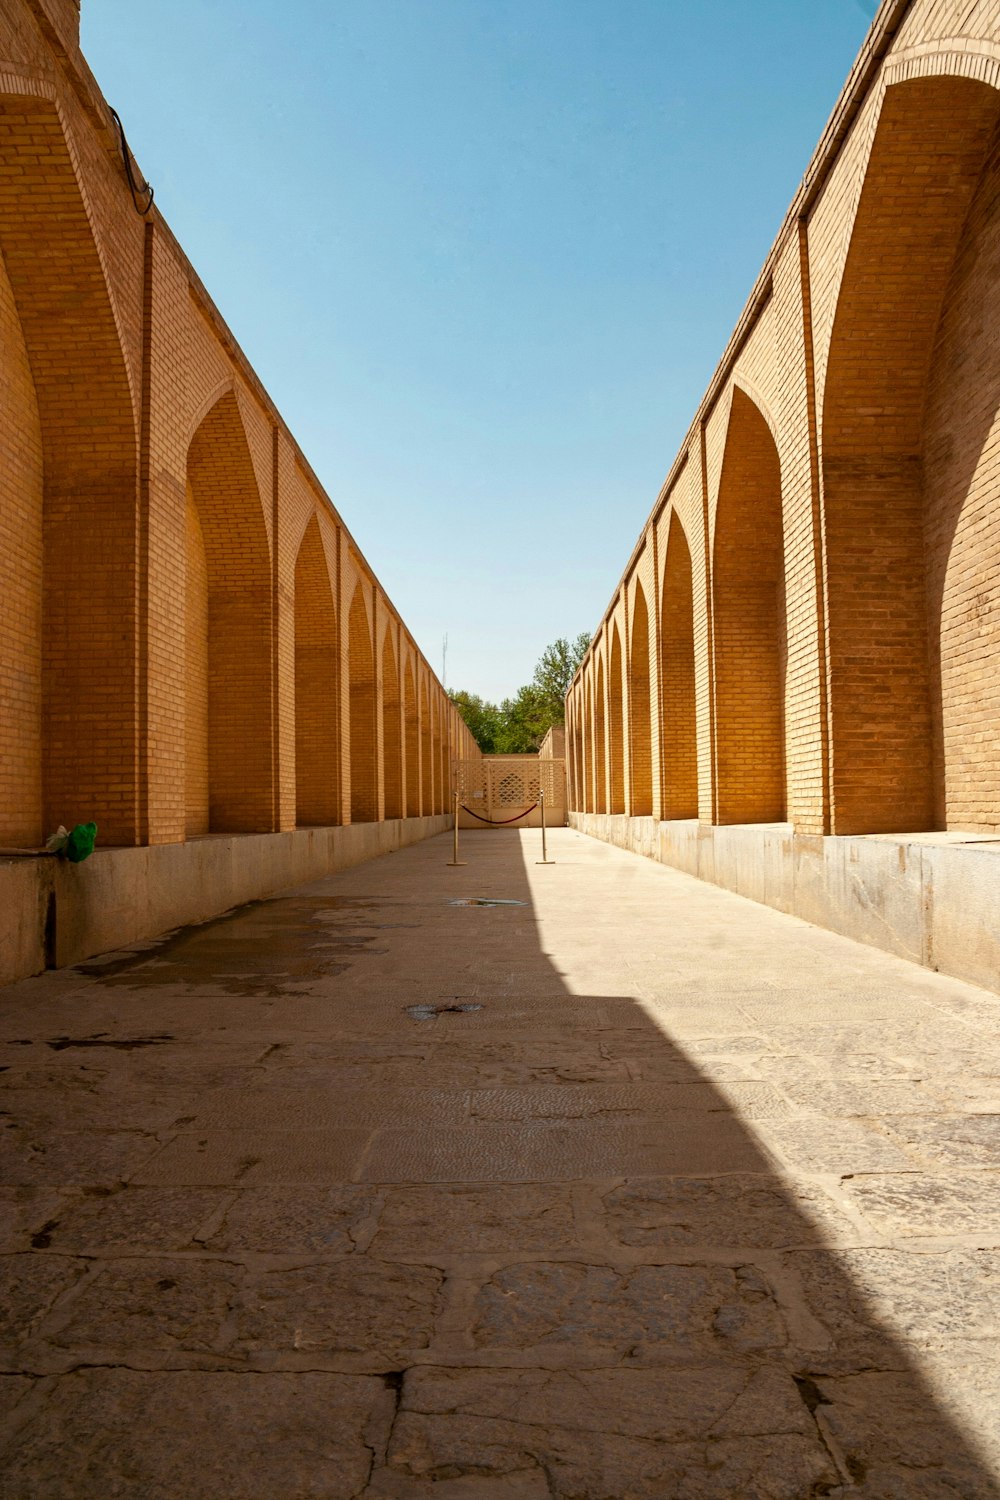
(519, 724)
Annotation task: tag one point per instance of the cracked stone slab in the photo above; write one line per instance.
(656, 1313)
(355, 1306)
(294, 1220)
(47, 1158)
(467, 1219)
(105, 1109)
(23, 1210)
(492, 1151)
(971, 1140)
(29, 1285)
(326, 1108)
(876, 1302)
(833, 1146)
(913, 1205)
(710, 1432)
(900, 1445)
(225, 1157)
(753, 1212)
(865, 1099)
(130, 1218)
(150, 1304)
(575, 1102)
(203, 1436)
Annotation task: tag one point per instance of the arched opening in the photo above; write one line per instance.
(361, 664)
(910, 469)
(588, 731)
(227, 722)
(21, 560)
(70, 746)
(640, 761)
(748, 602)
(426, 753)
(412, 744)
(317, 748)
(392, 733)
(616, 736)
(440, 758)
(600, 745)
(679, 723)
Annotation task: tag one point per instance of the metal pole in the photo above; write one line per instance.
(544, 860)
(454, 853)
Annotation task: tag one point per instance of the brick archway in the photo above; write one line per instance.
(361, 666)
(392, 746)
(68, 701)
(897, 604)
(600, 744)
(616, 727)
(317, 737)
(749, 622)
(679, 725)
(640, 726)
(426, 752)
(411, 727)
(228, 740)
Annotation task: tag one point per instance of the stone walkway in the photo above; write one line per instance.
(635, 1189)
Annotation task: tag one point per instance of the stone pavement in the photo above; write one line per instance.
(633, 1190)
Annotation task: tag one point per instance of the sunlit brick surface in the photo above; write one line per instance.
(190, 644)
(820, 569)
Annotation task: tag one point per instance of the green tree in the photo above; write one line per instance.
(519, 724)
(553, 675)
(482, 717)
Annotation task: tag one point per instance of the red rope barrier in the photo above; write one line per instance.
(497, 822)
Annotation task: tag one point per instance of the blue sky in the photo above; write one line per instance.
(484, 254)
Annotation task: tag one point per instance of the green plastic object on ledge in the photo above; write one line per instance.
(80, 844)
(75, 846)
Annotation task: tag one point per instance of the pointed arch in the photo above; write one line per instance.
(640, 727)
(600, 744)
(441, 755)
(426, 752)
(363, 741)
(910, 472)
(228, 739)
(68, 700)
(616, 735)
(588, 729)
(392, 732)
(749, 622)
(411, 728)
(679, 722)
(317, 738)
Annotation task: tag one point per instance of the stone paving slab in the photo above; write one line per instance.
(696, 1203)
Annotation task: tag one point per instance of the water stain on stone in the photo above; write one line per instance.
(101, 1039)
(431, 1012)
(483, 901)
(265, 949)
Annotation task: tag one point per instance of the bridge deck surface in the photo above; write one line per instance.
(635, 1189)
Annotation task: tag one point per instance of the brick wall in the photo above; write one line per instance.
(188, 636)
(826, 548)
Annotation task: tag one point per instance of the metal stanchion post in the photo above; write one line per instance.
(544, 860)
(454, 854)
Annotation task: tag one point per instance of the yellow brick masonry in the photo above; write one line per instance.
(812, 611)
(191, 641)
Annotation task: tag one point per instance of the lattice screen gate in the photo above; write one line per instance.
(506, 788)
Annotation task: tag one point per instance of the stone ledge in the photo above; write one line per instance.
(53, 913)
(931, 898)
